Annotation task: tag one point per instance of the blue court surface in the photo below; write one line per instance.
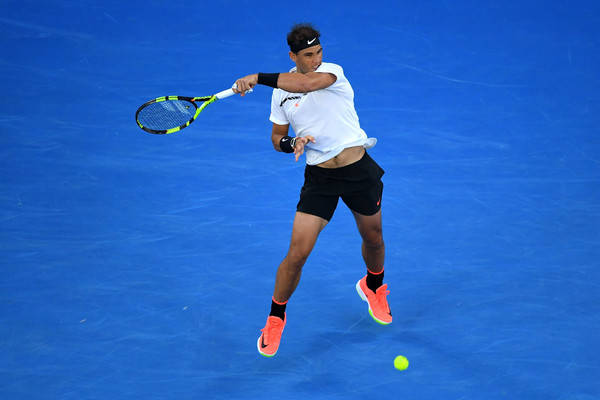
(139, 266)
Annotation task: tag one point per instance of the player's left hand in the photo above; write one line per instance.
(244, 85)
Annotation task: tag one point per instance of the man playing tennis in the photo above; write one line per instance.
(318, 101)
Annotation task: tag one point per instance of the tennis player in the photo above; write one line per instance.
(318, 101)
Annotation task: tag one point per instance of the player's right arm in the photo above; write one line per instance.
(280, 131)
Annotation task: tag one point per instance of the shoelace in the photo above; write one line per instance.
(273, 324)
(380, 296)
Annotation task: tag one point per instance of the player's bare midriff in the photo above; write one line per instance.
(346, 157)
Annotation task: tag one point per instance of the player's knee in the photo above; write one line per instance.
(373, 240)
(296, 258)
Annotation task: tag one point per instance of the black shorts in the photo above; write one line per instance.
(358, 184)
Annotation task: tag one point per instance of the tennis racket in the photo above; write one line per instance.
(170, 114)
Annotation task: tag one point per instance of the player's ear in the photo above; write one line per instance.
(293, 56)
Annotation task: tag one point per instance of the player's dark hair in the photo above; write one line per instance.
(300, 34)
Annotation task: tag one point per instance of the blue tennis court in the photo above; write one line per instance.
(139, 266)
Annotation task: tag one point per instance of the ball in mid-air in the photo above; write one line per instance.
(401, 363)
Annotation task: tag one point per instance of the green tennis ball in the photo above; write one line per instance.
(401, 363)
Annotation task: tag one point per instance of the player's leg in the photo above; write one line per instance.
(371, 288)
(373, 246)
(305, 231)
(312, 216)
(365, 205)
(366, 208)
(363, 195)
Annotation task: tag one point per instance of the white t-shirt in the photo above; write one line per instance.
(327, 114)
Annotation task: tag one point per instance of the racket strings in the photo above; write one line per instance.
(165, 115)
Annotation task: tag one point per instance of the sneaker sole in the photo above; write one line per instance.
(261, 353)
(363, 296)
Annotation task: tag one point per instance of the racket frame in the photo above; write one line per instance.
(205, 99)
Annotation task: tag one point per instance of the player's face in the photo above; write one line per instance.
(309, 59)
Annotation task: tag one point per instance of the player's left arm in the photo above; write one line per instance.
(292, 82)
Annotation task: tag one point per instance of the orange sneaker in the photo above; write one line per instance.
(268, 342)
(378, 305)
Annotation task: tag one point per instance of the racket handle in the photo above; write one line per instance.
(228, 92)
(224, 94)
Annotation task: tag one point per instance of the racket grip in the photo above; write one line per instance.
(224, 94)
(228, 92)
